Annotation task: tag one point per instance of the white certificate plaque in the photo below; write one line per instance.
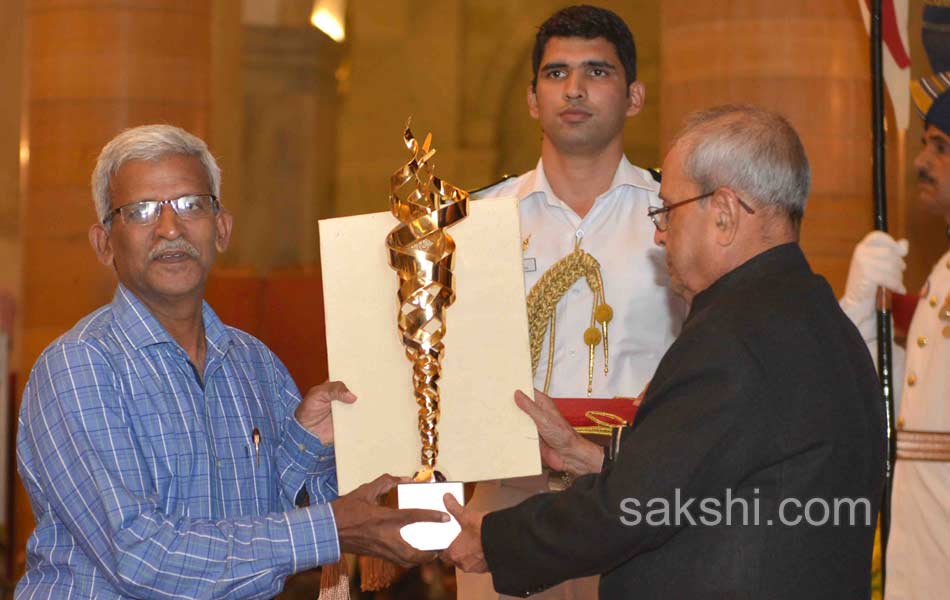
(426, 535)
(482, 433)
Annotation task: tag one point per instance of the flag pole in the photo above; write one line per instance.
(884, 334)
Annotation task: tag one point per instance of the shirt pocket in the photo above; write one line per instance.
(245, 475)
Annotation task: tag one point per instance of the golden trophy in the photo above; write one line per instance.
(422, 253)
(468, 426)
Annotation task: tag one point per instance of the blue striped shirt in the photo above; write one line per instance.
(147, 484)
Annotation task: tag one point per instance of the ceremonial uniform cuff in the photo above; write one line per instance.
(313, 537)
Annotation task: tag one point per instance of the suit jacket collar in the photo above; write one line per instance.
(779, 259)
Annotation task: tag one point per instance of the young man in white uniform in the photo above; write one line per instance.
(585, 191)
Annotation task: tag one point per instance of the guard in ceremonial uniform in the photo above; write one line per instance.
(918, 552)
(601, 313)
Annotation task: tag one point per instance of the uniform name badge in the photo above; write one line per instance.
(530, 265)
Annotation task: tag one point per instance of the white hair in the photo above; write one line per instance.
(752, 150)
(147, 142)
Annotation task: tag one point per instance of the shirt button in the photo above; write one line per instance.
(572, 353)
(301, 447)
(217, 463)
(911, 380)
(579, 234)
(922, 341)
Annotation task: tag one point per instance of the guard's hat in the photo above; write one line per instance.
(931, 97)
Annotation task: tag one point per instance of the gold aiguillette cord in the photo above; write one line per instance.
(542, 310)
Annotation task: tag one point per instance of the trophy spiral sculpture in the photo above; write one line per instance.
(422, 253)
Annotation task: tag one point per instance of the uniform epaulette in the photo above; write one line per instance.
(657, 173)
(483, 189)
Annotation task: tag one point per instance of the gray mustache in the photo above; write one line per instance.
(181, 245)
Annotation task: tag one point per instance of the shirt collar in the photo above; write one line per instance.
(626, 175)
(141, 328)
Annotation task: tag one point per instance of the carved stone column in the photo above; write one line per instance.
(810, 61)
(291, 110)
(403, 61)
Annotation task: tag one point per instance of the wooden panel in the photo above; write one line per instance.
(64, 282)
(294, 324)
(685, 12)
(225, 130)
(237, 296)
(94, 68)
(12, 18)
(284, 310)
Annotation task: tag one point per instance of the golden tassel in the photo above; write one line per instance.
(547, 375)
(335, 581)
(544, 297)
(378, 573)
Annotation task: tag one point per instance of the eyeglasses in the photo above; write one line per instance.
(660, 215)
(146, 212)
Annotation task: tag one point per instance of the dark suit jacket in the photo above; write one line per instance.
(768, 396)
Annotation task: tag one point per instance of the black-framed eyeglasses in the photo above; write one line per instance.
(660, 215)
(145, 212)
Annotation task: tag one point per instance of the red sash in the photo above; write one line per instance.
(592, 412)
(902, 309)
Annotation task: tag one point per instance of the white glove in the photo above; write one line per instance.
(878, 261)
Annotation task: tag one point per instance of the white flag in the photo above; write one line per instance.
(895, 52)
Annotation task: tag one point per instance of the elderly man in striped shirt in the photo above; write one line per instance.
(163, 451)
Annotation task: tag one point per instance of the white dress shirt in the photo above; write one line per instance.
(617, 232)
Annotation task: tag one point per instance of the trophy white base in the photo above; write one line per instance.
(424, 535)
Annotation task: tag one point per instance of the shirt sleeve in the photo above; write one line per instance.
(91, 478)
(302, 461)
